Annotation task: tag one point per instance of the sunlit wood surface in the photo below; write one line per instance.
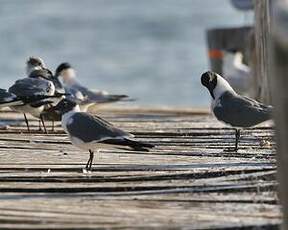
(186, 182)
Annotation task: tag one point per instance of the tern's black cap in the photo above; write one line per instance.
(61, 67)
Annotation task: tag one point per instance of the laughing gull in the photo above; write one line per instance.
(8, 99)
(37, 86)
(233, 109)
(39, 70)
(29, 87)
(87, 97)
(90, 133)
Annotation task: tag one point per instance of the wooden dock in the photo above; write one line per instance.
(186, 182)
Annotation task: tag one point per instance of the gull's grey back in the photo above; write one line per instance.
(89, 128)
(31, 87)
(241, 111)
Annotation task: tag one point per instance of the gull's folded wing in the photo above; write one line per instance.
(31, 87)
(93, 129)
(241, 111)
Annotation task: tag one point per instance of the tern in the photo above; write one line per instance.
(87, 97)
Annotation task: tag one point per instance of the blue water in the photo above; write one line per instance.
(153, 50)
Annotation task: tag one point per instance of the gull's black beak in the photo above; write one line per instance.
(209, 80)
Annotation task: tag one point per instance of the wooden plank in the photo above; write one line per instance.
(187, 181)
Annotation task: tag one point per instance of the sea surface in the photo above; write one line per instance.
(152, 50)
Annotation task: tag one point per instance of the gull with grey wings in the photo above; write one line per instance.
(91, 133)
(233, 109)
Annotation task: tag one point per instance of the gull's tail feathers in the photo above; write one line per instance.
(14, 102)
(135, 145)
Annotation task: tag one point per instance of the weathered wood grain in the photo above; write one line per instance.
(186, 182)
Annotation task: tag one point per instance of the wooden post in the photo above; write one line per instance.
(262, 63)
(279, 79)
